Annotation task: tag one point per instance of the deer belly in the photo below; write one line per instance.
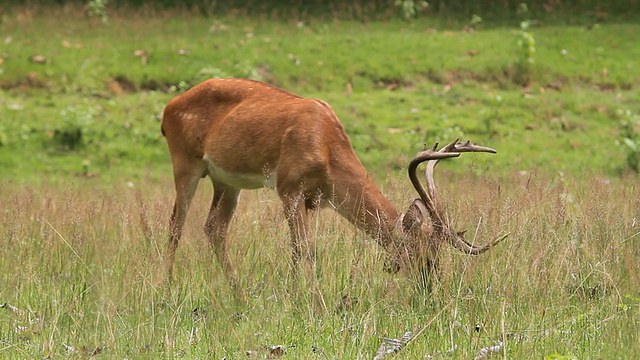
(240, 180)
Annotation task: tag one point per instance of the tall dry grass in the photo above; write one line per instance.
(79, 268)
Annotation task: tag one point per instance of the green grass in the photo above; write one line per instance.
(416, 79)
(86, 189)
(81, 270)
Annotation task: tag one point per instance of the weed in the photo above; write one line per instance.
(183, 86)
(410, 8)
(526, 49)
(630, 137)
(98, 8)
(475, 22)
(77, 120)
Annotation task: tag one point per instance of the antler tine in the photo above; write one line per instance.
(457, 239)
(432, 156)
(453, 147)
(463, 245)
(448, 149)
(469, 147)
(433, 148)
(427, 197)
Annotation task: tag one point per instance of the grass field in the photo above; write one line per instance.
(86, 189)
(80, 269)
(93, 104)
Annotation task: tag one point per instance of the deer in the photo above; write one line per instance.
(246, 134)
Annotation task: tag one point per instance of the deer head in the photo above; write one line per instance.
(422, 240)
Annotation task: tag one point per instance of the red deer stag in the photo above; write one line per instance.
(246, 134)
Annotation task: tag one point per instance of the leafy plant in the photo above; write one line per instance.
(630, 137)
(526, 48)
(475, 22)
(98, 8)
(410, 8)
(77, 119)
(180, 87)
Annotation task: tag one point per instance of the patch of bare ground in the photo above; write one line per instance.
(505, 78)
(30, 81)
(117, 85)
(122, 85)
(502, 78)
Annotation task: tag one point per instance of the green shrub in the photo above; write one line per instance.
(98, 8)
(526, 45)
(630, 137)
(77, 120)
(410, 7)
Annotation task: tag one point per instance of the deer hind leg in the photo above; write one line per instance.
(223, 206)
(186, 176)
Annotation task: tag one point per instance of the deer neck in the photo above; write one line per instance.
(361, 202)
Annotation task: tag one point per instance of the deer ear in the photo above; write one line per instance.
(414, 216)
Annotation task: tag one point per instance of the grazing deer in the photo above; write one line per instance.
(246, 134)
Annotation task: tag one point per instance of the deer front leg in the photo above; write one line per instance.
(297, 216)
(223, 206)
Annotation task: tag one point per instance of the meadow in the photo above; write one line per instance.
(86, 188)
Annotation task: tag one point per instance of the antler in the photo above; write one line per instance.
(430, 197)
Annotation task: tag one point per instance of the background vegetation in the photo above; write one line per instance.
(559, 11)
(84, 178)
